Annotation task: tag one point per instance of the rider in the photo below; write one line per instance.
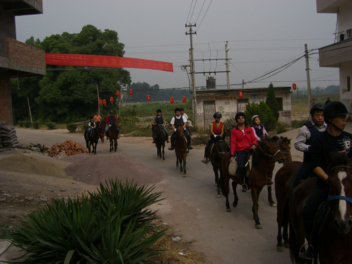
(183, 113)
(258, 128)
(242, 140)
(91, 125)
(216, 130)
(160, 120)
(306, 135)
(179, 120)
(334, 139)
(111, 120)
(97, 117)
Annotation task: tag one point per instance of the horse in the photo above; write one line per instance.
(334, 245)
(160, 137)
(101, 129)
(283, 192)
(112, 134)
(217, 152)
(92, 138)
(263, 161)
(181, 149)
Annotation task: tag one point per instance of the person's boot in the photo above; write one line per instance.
(167, 140)
(205, 160)
(172, 145)
(308, 254)
(243, 181)
(269, 182)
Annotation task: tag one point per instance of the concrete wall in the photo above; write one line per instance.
(5, 101)
(346, 96)
(344, 17)
(7, 29)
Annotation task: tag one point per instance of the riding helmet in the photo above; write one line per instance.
(317, 107)
(217, 114)
(177, 109)
(334, 109)
(240, 114)
(254, 117)
(91, 117)
(158, 111)
(111, 112)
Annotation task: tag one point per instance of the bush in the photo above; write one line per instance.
(229, 124)
(72, 127)
(51, 125)
(36, 125)
(271, 101)
(263, 110)
(281, 127)
(20, 123)
(298, 123)
(27, 124)
(110, 226)
(84, 127)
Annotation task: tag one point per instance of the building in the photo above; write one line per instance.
(339, 54)
(16, 58)
(228, 103)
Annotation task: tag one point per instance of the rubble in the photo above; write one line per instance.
(68, 148)
(8, 138)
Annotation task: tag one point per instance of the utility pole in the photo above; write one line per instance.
(308, 76)
(193, 84)
(227, 66)
(30, 112)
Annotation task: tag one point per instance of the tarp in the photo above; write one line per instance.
(106, 61)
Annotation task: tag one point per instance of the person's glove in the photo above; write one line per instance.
(109, 125)
(184, 128)
(175, 129)
(215, 136)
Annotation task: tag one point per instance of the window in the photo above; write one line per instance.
(348, 83)
(279, 102)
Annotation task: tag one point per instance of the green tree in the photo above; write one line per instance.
(263, 110)
(271, 101)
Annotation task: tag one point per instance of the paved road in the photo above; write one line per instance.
(191, 206)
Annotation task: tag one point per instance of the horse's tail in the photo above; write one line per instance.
(294, 250)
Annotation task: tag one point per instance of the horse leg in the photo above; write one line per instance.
(234, 187)
(255, 196)
(181, 165)
(115, 142)
(176, 161)
(94, 147)
(184, 166)
(226, 194)
(111, 144)
(88, 145)
(286, 219)
(270, 197)
(163, 153)
(279, 220)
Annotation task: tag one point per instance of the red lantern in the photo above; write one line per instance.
(294, 87)
(118, 94)
(130, 92)
(104, 102)
(101, 102)
(240, 94)
(148, 98)
(111, 99)
(172, 100)
(184, 99)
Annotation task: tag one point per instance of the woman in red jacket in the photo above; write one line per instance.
(242, 140)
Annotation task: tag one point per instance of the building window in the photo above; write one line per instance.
(348, 83)
(279, 102)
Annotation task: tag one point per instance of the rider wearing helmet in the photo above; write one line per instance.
(216, 130)
(333, 140)
(111, 119)
(306, 135)
(258, 128)
(179, 120)
(242, 140)
(160, 120)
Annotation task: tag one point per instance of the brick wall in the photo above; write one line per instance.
(21, 53)
(5, 101)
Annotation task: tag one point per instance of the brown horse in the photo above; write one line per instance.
(101, 129)
(181, 149)
(334, 245)
(283, 192)
(264, 158)
(160, 137)
(218, 151)
(112, 133)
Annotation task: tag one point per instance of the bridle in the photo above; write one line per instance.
(339, 197)
(278, 145)
(220, 153)
(269, 155)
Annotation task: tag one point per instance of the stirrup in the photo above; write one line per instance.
(244, 187)
(302, 254)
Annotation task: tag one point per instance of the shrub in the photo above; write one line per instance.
(281, 127)
(20, 123)
(229, 124)
(51, 125)
(36, 125)
(72, 127)
(84, 127)
(111, 226)
(298, 123)
(263, 110)
(271, 101)
(27, 124)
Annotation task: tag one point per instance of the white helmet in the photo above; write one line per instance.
(254, 117)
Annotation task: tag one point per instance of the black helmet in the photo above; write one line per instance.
(111, 112)
(91, 117)
(317, 107)
(158, 111)
(240, 114)
(334, 109)
(177, 109)
(217, 114)
(181, 109)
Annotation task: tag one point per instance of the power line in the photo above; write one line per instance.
(200, 11)
(189, 11)
(204, 15)
(193, 11)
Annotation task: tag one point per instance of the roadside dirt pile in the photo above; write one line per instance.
(98, 168)
(70, 147)
(33, 165)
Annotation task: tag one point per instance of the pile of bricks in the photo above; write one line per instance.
(69, 147)
(8, 137)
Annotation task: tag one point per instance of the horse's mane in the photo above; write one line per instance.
(285, 138)
(337, 159)
(256, 153)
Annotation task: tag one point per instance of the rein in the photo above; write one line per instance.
(220, 153)
(270, 156)
(278, 145)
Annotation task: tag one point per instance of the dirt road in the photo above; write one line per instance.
(191, 206)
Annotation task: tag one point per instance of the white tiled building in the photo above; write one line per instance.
(339, 54)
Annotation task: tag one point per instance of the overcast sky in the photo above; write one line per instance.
(262, 35)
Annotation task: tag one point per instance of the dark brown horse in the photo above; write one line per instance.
(283, 192)
(160, 137)
(263, 161)
(181, 149)
(92, 139)
(218, 151)
(112, 134)
(334, 244)
(101, 129)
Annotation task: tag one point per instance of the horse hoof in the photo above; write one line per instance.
(258, 226)
(279, 249)
(218, 196)
(273, 205)
(228, 210)
(234, 204)
(286, 245)
(184, 175)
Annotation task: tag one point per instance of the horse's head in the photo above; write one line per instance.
(271, 149)
(340, 192)
(221, 146)
(180, 132)
(284, 144)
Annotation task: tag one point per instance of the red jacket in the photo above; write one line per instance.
(108, 120)
(242, 141)
(216, 130)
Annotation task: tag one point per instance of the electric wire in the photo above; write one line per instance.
(204, 14)
(193, 11)
(200, 11)
(189, 11)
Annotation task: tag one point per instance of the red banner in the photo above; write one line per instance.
(105, 61)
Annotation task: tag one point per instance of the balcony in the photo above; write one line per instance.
(23, 7)
(23, 60)
(335, 54)
(329, 6)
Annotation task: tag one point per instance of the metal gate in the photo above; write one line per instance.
(209, 110)
(241, 105)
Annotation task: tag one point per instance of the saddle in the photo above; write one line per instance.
(233, 166)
